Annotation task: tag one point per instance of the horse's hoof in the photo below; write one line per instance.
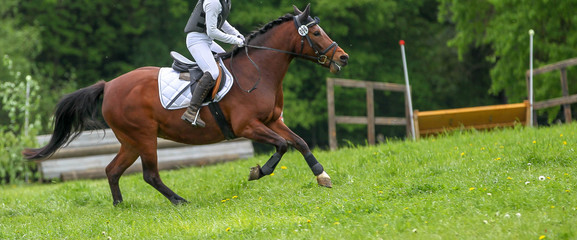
(177, 200)
(324, 180)
(255, 173)
(116, 202)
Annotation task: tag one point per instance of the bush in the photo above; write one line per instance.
(18, 100)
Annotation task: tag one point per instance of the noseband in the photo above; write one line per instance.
(303, 30)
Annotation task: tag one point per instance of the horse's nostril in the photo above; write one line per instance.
(344, 58)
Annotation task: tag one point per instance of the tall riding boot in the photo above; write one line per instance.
(204, 85)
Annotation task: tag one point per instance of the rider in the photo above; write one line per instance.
(206, 24)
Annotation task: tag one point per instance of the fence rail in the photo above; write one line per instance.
(87, 156)
(370, 119)
(566, 100)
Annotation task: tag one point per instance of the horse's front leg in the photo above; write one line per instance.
(298, 143)
(261, 133)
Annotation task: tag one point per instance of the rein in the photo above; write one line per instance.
(303, 30)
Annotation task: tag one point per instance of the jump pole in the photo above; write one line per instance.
(531, 33)
(402, 43)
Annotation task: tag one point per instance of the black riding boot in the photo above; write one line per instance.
(204, 85)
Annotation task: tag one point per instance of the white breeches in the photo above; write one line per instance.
(201, 48)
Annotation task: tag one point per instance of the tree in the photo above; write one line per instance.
(502, 26)
(85, 41)
(19, 42)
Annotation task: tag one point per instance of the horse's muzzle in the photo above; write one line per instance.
(340, 61)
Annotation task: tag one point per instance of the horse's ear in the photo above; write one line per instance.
(297, 11)
(304, 15)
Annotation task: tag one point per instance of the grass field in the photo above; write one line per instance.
(506, 184)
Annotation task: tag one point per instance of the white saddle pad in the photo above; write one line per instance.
(171, 87)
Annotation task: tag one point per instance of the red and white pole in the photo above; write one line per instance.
(410, 103)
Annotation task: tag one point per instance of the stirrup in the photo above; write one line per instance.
(197, 122)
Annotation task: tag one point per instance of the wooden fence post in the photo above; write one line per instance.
(331, 108)
(565, 90)
(370, 119)
(370, 113)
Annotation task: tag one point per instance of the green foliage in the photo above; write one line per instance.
(85, 41)
(20, 41)
(466, 185)
(503, 27)
(19, 133)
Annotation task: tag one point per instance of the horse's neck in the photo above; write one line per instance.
(271, 63)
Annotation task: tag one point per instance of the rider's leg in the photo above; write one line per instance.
(204, 85)
(216, 48)
(200, 48)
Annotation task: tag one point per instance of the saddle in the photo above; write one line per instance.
(190, 71)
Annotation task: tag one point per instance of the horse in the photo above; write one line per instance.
(131, 108)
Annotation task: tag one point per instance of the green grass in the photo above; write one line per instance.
(470, 185)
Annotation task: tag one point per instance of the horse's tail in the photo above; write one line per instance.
(73, 114)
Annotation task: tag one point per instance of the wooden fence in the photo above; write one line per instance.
(484, 117)
(370, 120)
(567, 99)
(87, 156)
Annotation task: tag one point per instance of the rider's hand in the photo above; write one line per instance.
(240, 42)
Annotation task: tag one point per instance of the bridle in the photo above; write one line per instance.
(303, 30)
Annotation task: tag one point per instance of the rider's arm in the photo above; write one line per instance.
(227, 28)
(212, 8)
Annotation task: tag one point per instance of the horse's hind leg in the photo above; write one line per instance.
(124, 159)
(152, 177)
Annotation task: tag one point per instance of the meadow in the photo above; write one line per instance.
(505, 184)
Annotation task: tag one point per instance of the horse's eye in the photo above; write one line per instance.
(317, 33)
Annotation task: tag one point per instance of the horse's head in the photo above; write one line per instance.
(316, 43)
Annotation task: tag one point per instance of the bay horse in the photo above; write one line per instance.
(132, 109)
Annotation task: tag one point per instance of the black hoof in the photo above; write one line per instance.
(116, 202)
(255, 173)
(177, 200)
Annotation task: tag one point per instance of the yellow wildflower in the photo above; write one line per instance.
(471, 189)
(283, 167)
(227, 229)
(541, 237)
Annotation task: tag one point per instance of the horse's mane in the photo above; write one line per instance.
(258, 32)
